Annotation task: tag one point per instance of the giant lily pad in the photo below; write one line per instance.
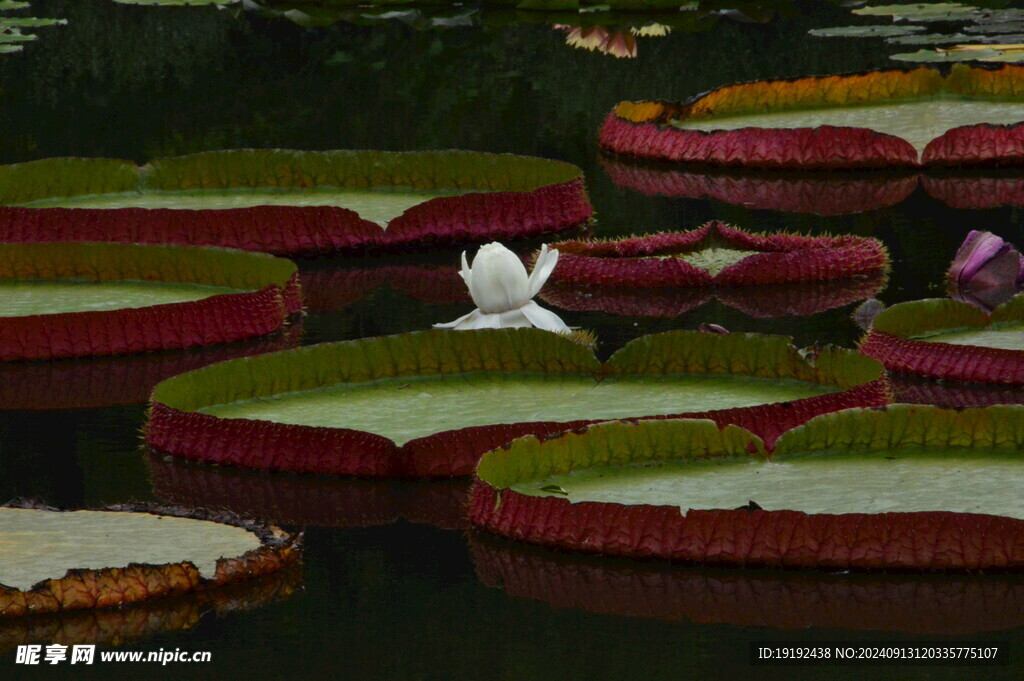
(970, 117)
(717, 255)
(81, 299)
(293, 202)
(904, 488)
(428, 404)
(951, 340)
(117, 626)
(929, 604)
(73, 560)
(309, 500)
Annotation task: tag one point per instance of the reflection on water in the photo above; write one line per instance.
(402, 600)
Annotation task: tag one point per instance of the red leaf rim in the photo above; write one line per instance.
(782, 539)
(887, 342)
(311, 501)
(115, 587)
(309, 230)
(272, 446)
(222, 318)
(117, 626)
(782, 259)
(643, 128)
(918, 604)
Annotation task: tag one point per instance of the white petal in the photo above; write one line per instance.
(461, 320)
(542, 269)
(465, 272)
(543, 319)
(483, 321)
(499, 282)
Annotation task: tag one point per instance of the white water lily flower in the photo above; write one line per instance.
(502, 291)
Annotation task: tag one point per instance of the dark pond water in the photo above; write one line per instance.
(388, 594)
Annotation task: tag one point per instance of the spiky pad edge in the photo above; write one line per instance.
(222, 318)
(932, 606)
(783, 259)
(115, 587)
(945, 360)
(311, 230)
(311, 501)
(643, 128)
(338, 451)
(115, 626)
(773, 539)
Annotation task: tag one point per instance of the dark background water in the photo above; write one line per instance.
(403, 600)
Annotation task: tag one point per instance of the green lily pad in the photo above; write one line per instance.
(951, 340)
(40, 545)
(880, 31)
(923, 12)
(292, 201)
(903, 474)
(33, 297)
(433, 405)
(1007, 337)
(970, 116)
(916, 122)
(379, 205)
(82, 299)
(59, 561)
(428, 404)
(982, 55)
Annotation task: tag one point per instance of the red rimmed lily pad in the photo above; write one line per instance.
(117, 626)
(334, 408)
(969, 116)
(951, 340)
(717, 255)
(945, 605)
(56, 561)
(64, 300)
(294, 202)
(310, 500)
(761, 302)
(904, 487)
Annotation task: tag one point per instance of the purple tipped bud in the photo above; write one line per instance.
(986, 271)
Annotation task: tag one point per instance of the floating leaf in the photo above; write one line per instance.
(293, 202)
(972, 116)
(848, 490)
(74, 300)
(59, 561)
(951, 340)
(330, 408)
(883, 31)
